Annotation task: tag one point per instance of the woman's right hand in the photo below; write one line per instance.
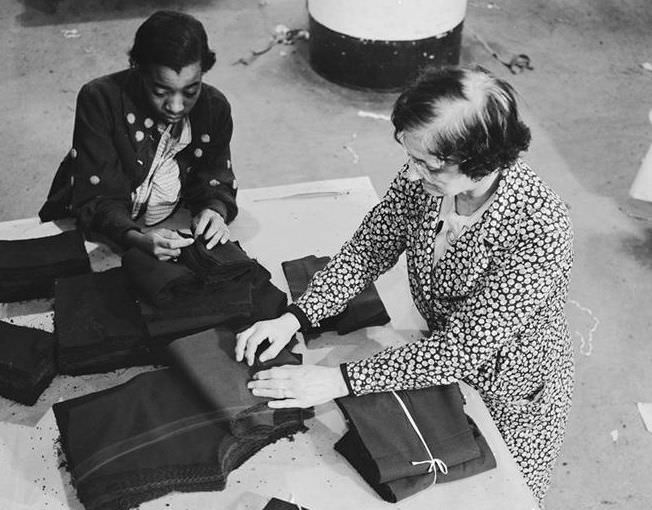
(278, 331)
(163, 243)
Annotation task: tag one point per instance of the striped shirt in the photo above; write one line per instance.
(158, 195)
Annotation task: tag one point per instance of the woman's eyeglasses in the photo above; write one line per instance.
(435, 165)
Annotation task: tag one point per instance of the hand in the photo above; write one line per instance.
(298, 385)
(212, 226)
(278, 331)
(163, 243)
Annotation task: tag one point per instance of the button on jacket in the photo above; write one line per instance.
(114, 143)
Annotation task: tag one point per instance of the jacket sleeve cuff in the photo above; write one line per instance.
(347, 381)
(215, 205)
(301, 317)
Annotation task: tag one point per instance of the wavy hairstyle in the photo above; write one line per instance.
(464, 115)
(172, 39)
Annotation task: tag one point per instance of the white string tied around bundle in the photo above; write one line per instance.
(433, 463)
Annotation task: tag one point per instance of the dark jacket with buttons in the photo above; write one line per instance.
(114, 143)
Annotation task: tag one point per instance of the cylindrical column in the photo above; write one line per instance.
(382, 44)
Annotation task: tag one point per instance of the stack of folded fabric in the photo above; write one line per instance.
(98, 324)
(203, 289)
(405, 441)
(365, 310)
(28, 267)
(27, 363)
(165, 436)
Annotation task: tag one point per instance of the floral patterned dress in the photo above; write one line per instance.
(494, 304)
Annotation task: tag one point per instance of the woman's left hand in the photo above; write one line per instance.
(298, 385)
(212, 226)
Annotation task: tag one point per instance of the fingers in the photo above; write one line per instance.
(274, 373)
(216, 233)
(199, 223)
(257, 337)
(241, 342)
(286, 403)
(271, 352)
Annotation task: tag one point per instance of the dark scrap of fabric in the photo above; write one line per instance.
(98, 324)
(28, 267)
(382, 445)
(279, 504)
(218, 287)
(207, 360)
(26, 362)
(153, 435)
(365, 310)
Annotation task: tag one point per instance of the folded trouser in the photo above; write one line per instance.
(153, 435)
(388, 450)
(364, 310)
(28, 267)
(208, 362)
(175, 302)
(27, 363)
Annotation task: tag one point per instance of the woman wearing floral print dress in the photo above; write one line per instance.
(489, 254)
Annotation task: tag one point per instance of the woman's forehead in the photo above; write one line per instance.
(169, 78)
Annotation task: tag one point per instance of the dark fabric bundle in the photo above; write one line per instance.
(207, 359)
(98, 324)
(222, 263)
(365, 310)
(26, 362)
(175, 302)
(382, 445)
(164, 437)
(279, 504)
(28, 267)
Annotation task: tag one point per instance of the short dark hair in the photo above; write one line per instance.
(466, 115)
(172, 39)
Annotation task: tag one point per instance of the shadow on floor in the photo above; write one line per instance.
(56, 12)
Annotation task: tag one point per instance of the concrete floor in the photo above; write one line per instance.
(587, 101)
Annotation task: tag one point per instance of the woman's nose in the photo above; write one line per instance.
(175, 104)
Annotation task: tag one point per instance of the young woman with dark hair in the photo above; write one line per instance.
(489, 249)
(148, 139)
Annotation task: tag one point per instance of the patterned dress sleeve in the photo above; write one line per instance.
(211, 183)
(101, 191)
(374, 248)
(494, 314)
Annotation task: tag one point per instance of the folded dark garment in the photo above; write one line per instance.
(26, 362)
(222, 263)
(207, 359)
(150, 436)
(28, 267)
(364, 310)
(157, 281)
(193, 312)
(98, 324)
(279, 504)
(383, 446)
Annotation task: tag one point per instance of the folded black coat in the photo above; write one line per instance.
(208, 361)
(385, 449)
(365, 310)
(28, 267)
(153, 435)
(98, 324)
(26, 362)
